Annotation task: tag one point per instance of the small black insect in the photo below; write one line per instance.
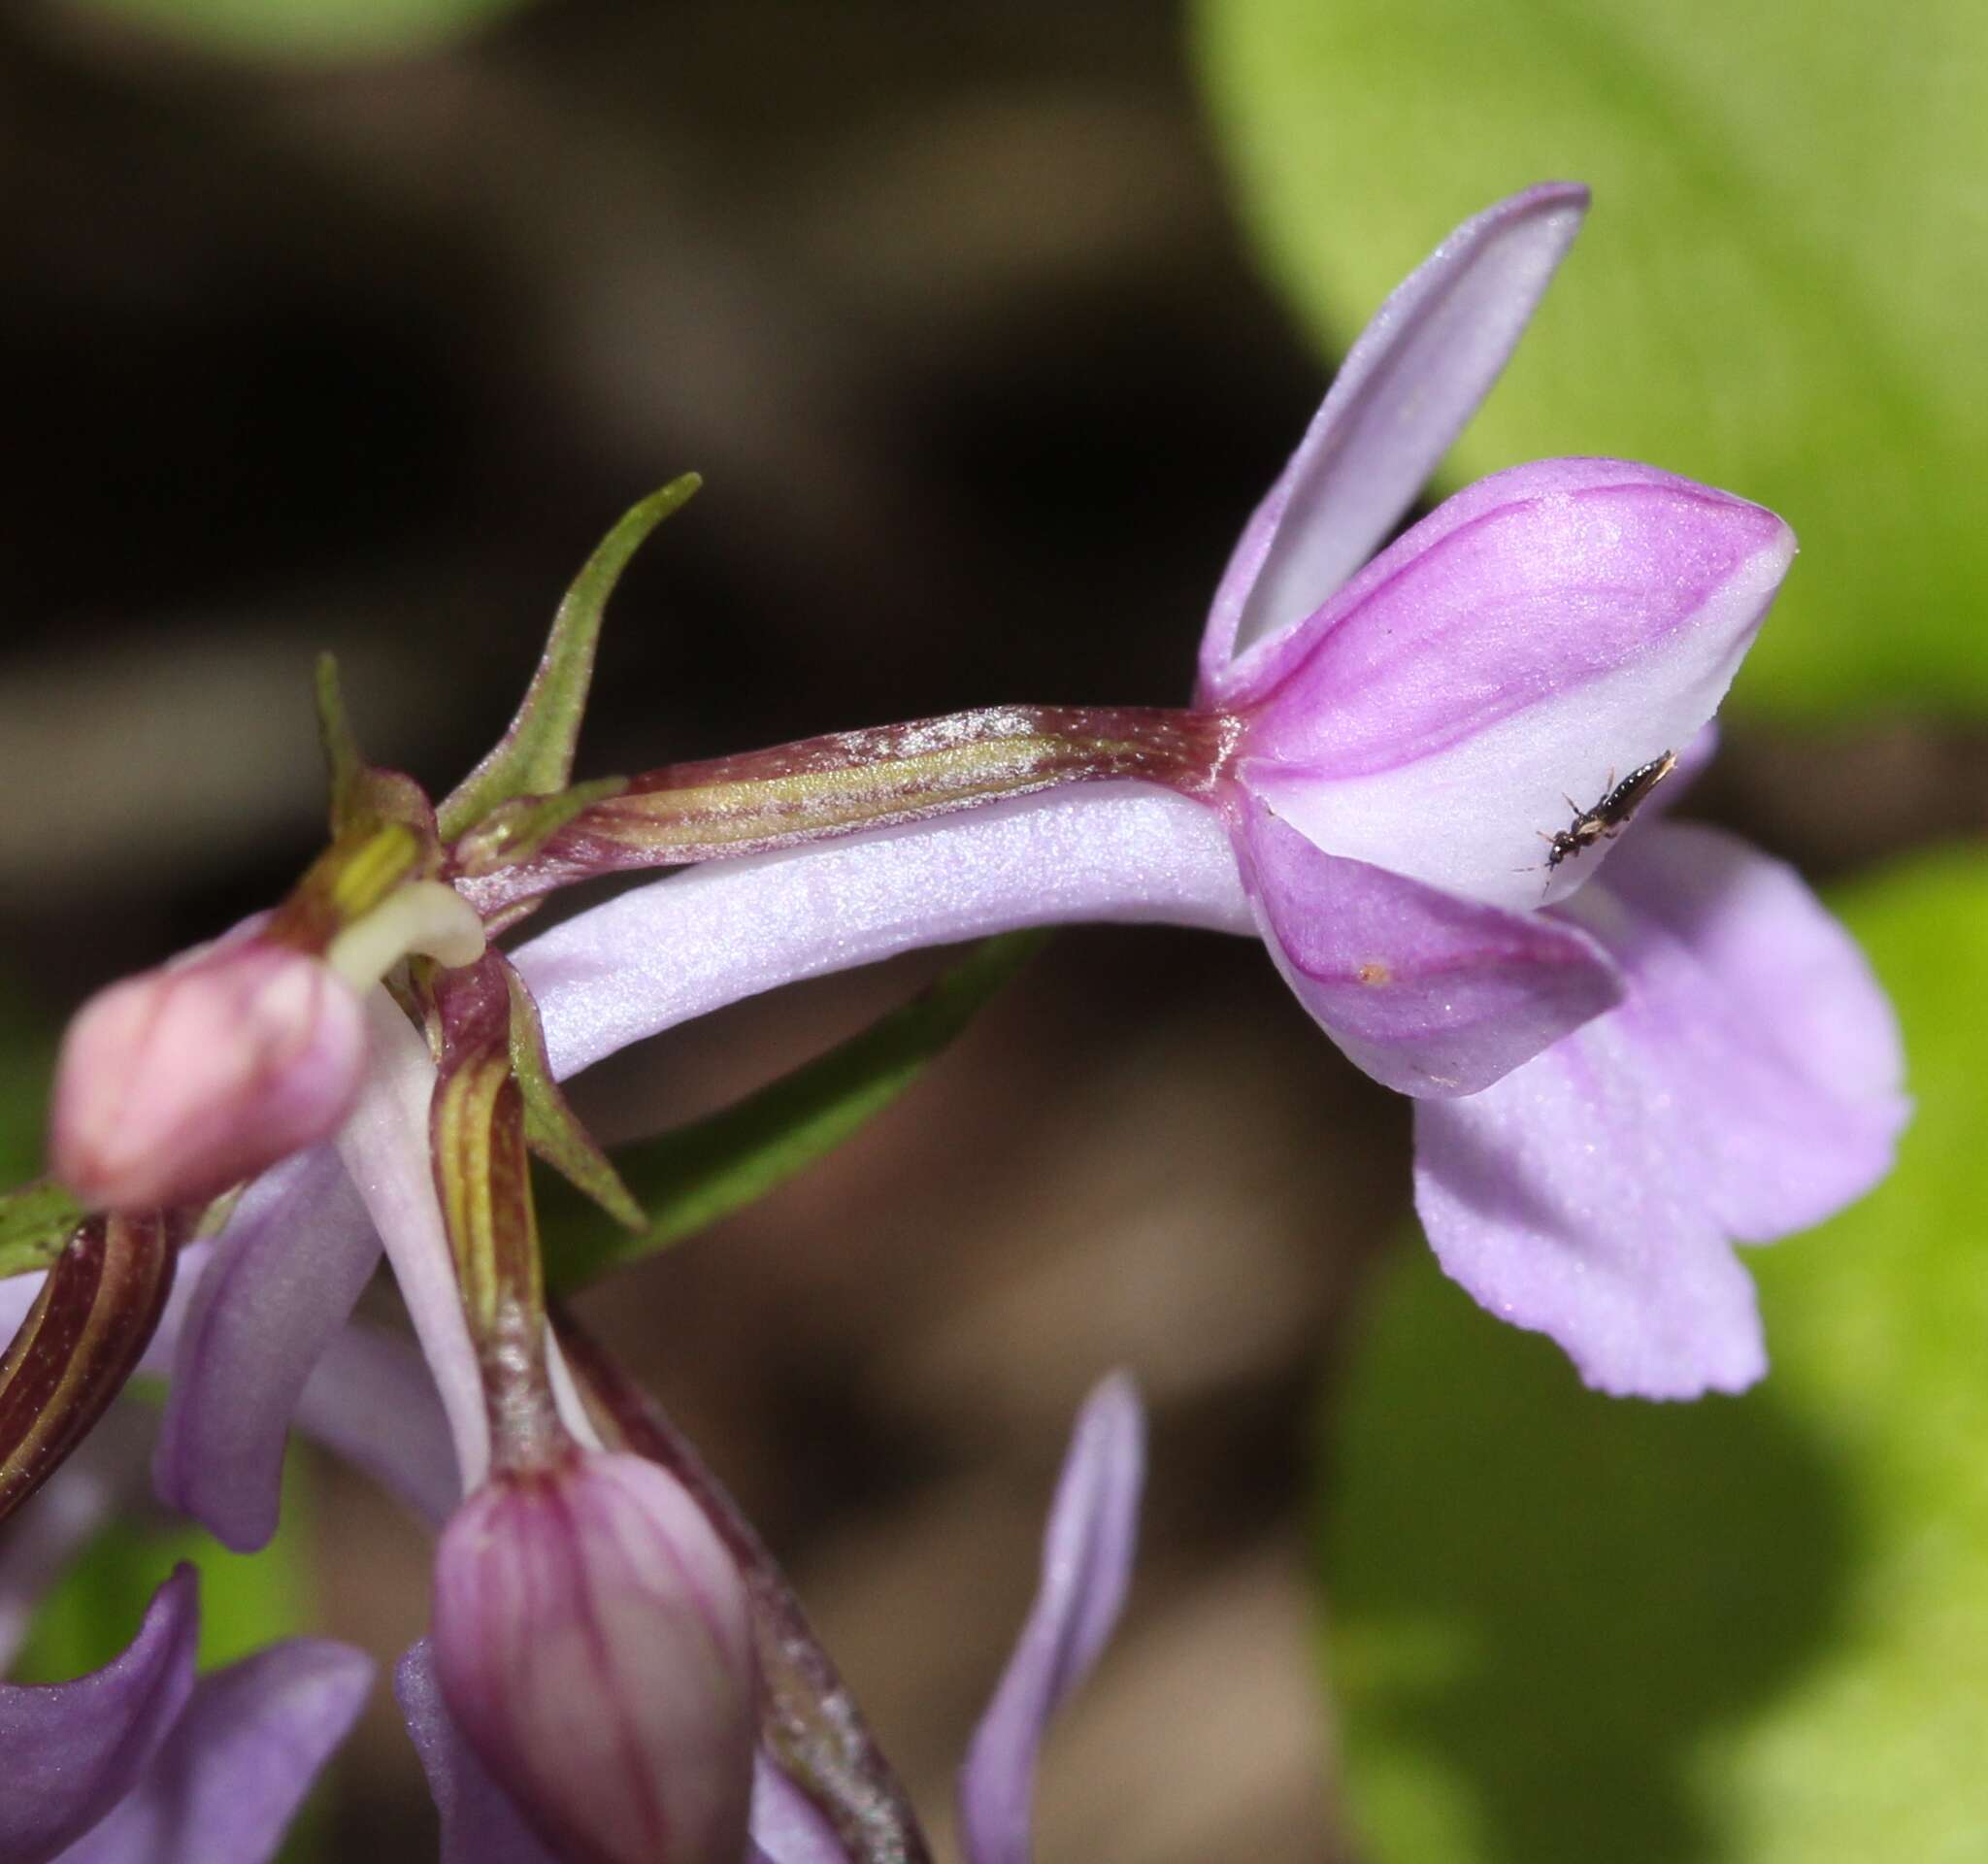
(1610, 816)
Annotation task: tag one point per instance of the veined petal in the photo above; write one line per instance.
(281, 1281)
(593, 1641)
(1429, 993)
(227, 1782)
(1404, 393)
(1547, 630)
(385, 1149)
(74, 1749)
(1783, 1051)
(664, 953)
(1087, 1554)
(480, 1826)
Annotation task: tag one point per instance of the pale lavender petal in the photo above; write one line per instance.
(1404, 393)
(386, 1150)
(1784, 1053)
(480, 1826)
(281, 1281)
(663, 954)
(229, 1778)
(1545, 630)
(1565, 1200)
(105, 1474)
(1430, 994)
(787, 1826)
(369, 1399)
(1087, 1556)
(73, 1750)
(1747, 1086)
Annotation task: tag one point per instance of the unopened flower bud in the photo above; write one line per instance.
(178, 1082)
(593, 1643)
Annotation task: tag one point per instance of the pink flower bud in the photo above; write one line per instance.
(178, 1082)
(592, 1641)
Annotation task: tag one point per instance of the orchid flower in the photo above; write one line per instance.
(1400, 776)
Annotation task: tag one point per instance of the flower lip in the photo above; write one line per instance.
(178, 1082)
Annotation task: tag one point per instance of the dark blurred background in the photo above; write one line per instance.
(948, 305)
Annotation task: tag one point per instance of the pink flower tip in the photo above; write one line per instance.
(592, 1641)
(175, 1084)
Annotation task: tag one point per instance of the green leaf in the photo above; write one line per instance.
(1568, 1627)
(35, 1222)
(1779, 290)
(308, 30)
(534, 756)
(689, 1179)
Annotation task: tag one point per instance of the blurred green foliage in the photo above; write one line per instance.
(307, 30)
(247, 1600)
(1568, 1627)
(1779, 290)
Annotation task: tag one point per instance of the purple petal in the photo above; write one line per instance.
(663, 954)
(1087, 1556)
(371, 1400)
(480, 1826)
(385, 1149)
(1405, 391)
(282, 1278)
(226, 1783)
(74, 1749)
(787, 1826)
(1564, 1200)
(1545, 631)
(1430, 994)
(1749, 1085)
(1784, 1046)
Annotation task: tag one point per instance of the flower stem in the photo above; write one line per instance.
(848, 780)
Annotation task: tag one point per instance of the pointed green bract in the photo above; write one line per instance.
(551, 1130)
(534, 756)
(344, 766)
(689, 1179)
(36, 1221)
(1564, 1627)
